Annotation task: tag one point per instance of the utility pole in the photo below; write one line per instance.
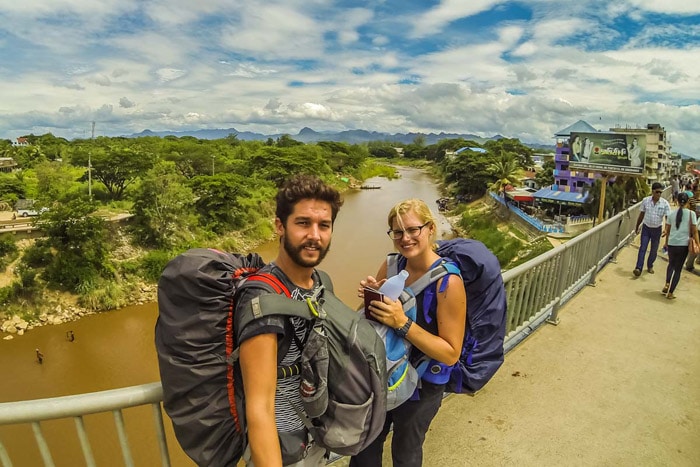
(90, 162)
(212, 164)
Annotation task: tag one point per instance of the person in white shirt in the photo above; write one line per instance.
(651, 218)
(680, 227)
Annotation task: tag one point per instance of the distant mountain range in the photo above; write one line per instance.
(307, 135)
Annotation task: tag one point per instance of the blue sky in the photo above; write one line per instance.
(521, 69)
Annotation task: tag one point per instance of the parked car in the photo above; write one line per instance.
(30, 212)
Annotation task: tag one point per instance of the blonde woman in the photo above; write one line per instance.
(680, 227)
(412, 228)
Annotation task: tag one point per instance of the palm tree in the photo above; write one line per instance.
(506, 171)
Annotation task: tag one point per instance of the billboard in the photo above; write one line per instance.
(608, 152)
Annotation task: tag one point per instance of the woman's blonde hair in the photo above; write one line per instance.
(416, 205)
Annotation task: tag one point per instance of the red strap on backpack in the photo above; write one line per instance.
(272, 281)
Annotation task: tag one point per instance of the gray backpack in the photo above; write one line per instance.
(343, 368)
(197, 355)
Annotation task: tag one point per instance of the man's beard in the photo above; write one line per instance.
(295, 253)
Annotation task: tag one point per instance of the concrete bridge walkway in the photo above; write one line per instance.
(616, 383)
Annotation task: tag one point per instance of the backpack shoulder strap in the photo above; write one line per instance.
(441, 269)
(392, 264)
(270, 280)
(325, 280)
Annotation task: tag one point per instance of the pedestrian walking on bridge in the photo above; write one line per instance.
(651, 218)
(681, 227)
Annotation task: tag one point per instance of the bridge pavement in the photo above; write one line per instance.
(615, 383)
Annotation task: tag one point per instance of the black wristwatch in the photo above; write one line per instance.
(403, 330)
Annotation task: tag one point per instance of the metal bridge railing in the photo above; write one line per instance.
(536, 290)
(76, 407)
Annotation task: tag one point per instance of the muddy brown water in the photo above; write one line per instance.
(115, 349)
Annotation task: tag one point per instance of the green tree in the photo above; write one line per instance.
(342, 156)
(57, 181)
(79, 243)
(277, 164)
(163, 208)
(27, 157)
(633, 188)
(417, 148)
(221, 200)
(51, 146)
(512, 146)
(506, 171)
(545, 177)
(384, 149)
(286, 141)
(467, 172)
(436, 152)
(11, 187)
(114, 164)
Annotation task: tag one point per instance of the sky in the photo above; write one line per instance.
(522, 69)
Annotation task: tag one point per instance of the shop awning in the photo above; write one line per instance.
(563, 197)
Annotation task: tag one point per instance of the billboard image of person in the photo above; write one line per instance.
(634, 153)
(608, 152)
(576, 148)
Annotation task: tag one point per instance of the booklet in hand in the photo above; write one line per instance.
(371, 294)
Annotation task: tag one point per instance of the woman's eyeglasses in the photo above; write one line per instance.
(412, 232)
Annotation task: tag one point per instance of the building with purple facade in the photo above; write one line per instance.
(568, 187)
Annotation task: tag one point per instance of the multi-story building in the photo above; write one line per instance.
(660, 164)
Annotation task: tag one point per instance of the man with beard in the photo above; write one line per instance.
(306, 211)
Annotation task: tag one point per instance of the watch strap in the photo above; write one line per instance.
(403, 330)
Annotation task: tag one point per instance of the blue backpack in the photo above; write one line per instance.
(402, 376)
(482, 350)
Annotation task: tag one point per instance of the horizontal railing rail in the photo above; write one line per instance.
(536, 290)
(80, 405)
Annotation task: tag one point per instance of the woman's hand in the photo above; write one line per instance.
(369, 282)
(390, 312)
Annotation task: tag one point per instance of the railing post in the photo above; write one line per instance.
(160, 435)
(43, 446)
(554, 317)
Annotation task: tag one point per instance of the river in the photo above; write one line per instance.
(115, 349)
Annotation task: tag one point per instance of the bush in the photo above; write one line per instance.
(38, 255)
(106, 295)
(153, 263)
(7, 245)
